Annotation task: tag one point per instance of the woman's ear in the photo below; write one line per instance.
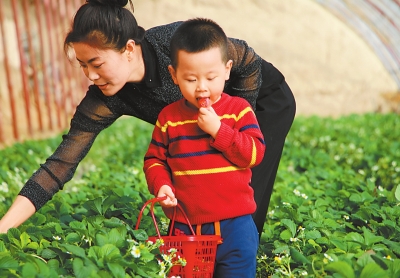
(173, 74)
(130, 48)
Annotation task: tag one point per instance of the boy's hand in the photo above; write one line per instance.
(171, 201)
(209, 121)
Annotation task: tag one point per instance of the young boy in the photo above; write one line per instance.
(203, 147)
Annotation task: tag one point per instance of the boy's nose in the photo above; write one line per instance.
(201, 87)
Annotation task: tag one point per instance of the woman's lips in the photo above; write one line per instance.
(103, 87)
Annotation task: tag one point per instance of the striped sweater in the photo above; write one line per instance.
(210, 177)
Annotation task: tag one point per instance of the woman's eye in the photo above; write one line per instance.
(97, 66)
(82, 66)
(211, 78)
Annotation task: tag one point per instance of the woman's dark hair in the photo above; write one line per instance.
(196, 35)
(104, 24)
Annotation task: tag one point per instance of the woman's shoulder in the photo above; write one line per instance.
(164, 30)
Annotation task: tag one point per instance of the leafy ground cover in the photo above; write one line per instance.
(334, 212)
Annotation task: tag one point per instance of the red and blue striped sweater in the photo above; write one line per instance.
(209, 177)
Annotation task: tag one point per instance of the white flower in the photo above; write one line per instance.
(135, 252)
(328, 257)
(4, 187)
(56, 237)
(135, 171)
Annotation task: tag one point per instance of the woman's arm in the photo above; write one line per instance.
(92, 116)
(18, 213)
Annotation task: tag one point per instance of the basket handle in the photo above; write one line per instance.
(159, 199)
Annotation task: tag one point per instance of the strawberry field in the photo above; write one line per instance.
(335, 210)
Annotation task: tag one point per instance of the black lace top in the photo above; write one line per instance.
(142, 100)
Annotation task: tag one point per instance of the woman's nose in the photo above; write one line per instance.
(92, 74)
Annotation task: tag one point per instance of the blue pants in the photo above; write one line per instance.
(236, 256)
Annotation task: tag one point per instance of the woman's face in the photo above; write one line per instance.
(109, 69)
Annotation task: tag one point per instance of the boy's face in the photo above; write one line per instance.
(201, 75)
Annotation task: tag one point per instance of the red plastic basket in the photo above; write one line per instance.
(198, 250)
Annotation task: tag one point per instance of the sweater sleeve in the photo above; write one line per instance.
(243, 144)
(92, 115)
(245, 78)
(155, 164)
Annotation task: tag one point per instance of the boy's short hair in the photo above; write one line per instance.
(196, 35)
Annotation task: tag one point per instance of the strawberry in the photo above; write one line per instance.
(204, 102)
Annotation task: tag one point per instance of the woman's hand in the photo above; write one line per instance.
(209, 121)
(171, 201)
(18, 213)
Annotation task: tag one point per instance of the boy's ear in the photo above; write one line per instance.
(173, 74)
(228, 68)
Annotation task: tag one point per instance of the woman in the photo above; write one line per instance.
(129, 70)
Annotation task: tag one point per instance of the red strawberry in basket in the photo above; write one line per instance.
(204, 102)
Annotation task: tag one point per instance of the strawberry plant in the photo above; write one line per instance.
(334, 211)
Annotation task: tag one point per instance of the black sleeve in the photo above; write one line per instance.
(245, 79)
(92, 115)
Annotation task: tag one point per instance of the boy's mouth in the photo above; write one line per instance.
(204, 102)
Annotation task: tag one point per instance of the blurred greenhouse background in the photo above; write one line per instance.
(40, 88)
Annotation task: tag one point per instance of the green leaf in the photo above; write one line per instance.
(95, 205)
(13, 233)
(140, 235)
(7, 262)
(339, 243)
(116, 269)
(29, 270)
(25, 239)
(290, 225)
(83, 271)
(285, 235)
(72, 238)
(315, 245)
(356, 237)
(48, 254)
(54, 264)
(2, 247)
(298, 257)
(315, 234)
(381, 262)
(110, 252)
(370, 238)
(397, 193)
(373, 270)
(342, 268)
(75, 250)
